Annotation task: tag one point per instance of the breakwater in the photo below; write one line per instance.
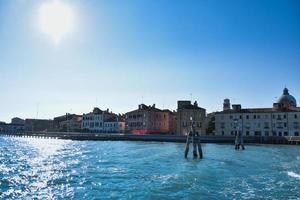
(154, 138)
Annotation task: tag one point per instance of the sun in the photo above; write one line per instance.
(56, 19)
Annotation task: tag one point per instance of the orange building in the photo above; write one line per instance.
(150, 120)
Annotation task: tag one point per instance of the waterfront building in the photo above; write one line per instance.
(94, 121)
(150, 120)
(40, 125)
(115, 124)
(188, 112)
(283, 119)
(17, 120)
(11, 128)
(67, 122)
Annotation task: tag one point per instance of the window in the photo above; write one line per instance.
(240, 116)
(254, 117)
(296, 134)
(284, 124)
(223, 133)
(296, 125)
(296, 116)
(286, 133)
(222, 125)
(247, 133)
(266, 125)
(257, 133)
(266, 133)
(284, 116)
(247, 117)
(230, 116)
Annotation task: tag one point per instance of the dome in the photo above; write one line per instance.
(287, 99)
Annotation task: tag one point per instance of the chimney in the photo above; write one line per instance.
(195, 104)
(153, 105)
(226, 104)
(237, 107)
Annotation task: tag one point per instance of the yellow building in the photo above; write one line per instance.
(188, 113)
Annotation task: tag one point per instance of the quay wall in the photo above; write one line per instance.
(154, 138)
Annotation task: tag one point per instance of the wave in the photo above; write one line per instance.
(294, 175)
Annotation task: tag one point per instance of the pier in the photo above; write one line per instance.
(292, 140)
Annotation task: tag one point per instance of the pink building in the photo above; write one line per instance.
(150, 120)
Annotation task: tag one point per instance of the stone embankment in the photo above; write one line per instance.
(153, 138)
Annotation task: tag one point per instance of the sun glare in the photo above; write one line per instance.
(56, 19)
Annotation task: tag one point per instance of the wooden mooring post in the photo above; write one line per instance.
(193, 137)
(239, 141)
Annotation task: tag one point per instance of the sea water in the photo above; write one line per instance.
(33, 168)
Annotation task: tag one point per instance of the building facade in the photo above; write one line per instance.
(115, 124)
(11, 128)
(150, 120)
(40, 125)
(67, 122)
(283, 119)
(17, 120)
(94, 121)
(188, 113)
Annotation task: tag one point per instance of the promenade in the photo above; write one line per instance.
(154, 138)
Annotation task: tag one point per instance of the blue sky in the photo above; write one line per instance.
(124, 51)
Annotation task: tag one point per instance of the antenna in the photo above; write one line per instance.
(37, 110)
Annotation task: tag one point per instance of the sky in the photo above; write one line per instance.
(121, 53)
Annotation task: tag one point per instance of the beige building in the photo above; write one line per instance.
(94, 121)
(188, 113)
(283, 119)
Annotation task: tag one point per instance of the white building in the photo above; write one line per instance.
(283, 119)
(94, 121)
(115, 124)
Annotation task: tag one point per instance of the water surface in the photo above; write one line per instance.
(60, 169)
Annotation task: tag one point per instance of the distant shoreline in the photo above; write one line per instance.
(154, 138)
